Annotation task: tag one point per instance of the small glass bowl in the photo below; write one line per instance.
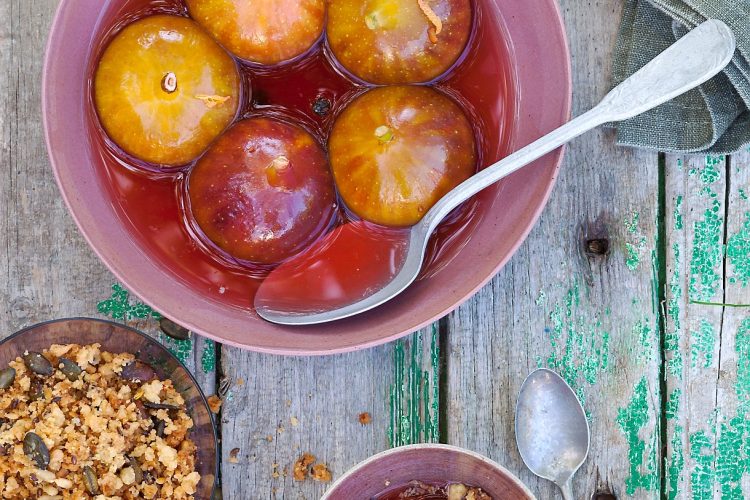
(117, 338)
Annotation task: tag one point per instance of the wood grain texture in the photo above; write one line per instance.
(279, 408)
(708, 344)
(50, 272)
(593, 318)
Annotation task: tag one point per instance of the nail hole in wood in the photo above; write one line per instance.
(597, 246)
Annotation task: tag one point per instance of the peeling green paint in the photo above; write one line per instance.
(702, 475)
(633, 248)
(672, 335)
(208, 356)
(743, 195)
(709, 173)
(643, 469)
(678, 222)
(708, 252)
(580, 348)
(676, 464)
(182, 349)
(738, 253)
(414, 395)
(673, 404)
(119, 306)
(703, 345)
(631, 224)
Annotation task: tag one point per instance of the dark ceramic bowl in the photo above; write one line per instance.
(118, 338)
(429, 463)
(521, 92)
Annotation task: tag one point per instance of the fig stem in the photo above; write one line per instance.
(384, 134)
(169, 83)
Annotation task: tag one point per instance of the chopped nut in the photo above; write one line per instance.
(365, 418)
(294, 421)
(214, 403)
(302, 465)
(321, 473)
(233, 459)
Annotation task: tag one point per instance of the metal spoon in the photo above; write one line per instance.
(551, 429)
(691, 61)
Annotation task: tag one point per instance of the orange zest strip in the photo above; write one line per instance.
(212, 100)
(433, 18)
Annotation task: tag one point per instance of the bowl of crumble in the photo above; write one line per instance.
(95, 409)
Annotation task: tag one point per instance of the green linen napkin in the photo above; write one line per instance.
(713, 119)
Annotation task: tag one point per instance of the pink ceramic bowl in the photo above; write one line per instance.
(154, 257)
(431, 464)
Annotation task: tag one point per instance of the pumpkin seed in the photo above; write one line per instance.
(161, 406)
(36, 450)
(159, 426)
(138, 371)
(90, 480)
(38, 364)
(172, 329)
(70, 369)
(7, 377)
(36, 390)
(136, 469)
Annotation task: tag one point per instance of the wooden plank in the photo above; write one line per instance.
(278, 408)
(593, 318)
(50, 271)
(708, 345)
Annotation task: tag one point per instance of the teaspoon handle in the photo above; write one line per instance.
(689, 62)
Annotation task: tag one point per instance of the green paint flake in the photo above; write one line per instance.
(703, 345)
(634, 248)
(673, 404)
(738, 254)
(632, 224)
(414, 399)
(708, 253)
(580, 349)
(541, 299)
(208, 357)
(678, 222)
(120, 307)
(710, 172)
(743, 195)
(645, 335)
(702, 476)
(675, 464)
(643, 470)
(182, 349)
(672, 336)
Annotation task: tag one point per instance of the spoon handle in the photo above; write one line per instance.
(691, 61)
(567, 489)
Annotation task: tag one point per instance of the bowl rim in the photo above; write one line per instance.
(340, 348)
(150, 339)
(425, 446)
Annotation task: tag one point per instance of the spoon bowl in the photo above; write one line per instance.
(552, 431)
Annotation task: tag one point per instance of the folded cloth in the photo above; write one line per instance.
(713, 119)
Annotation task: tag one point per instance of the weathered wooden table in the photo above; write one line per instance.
(619, 288)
